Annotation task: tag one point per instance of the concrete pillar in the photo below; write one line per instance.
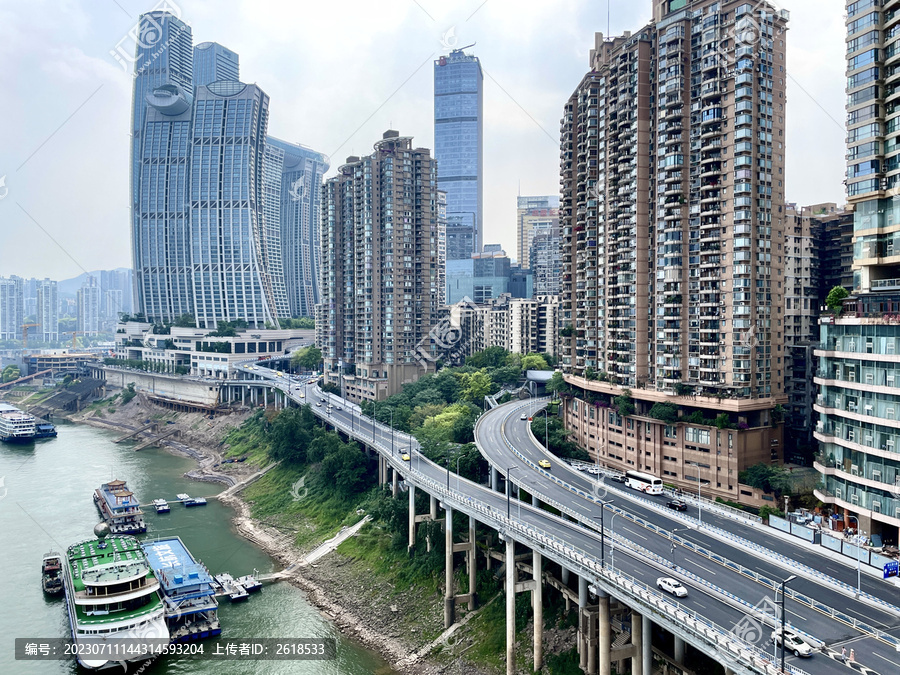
(679, 651)
(637, 640)
(449, 591)
(394, 487)
(495, 479)
(243, 395)
(604, 638)
(411, 545)
(510, 606)
(433, 506)
(472, 563)
(647, 655)
(564, 576)
(537, 602)
(581, 642)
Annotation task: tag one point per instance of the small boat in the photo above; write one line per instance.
(195, 501)
(183, 496)
(51, 573)
(231, 587)
(119, 508)
(162, 506)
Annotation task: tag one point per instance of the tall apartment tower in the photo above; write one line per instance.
(532, 212)
(859, 389)
(214, 62)
(88, 300)
(672, 211)
(380, 276)
(459, 149)
(293, 195)
(48, 310)
(230, 279)
(12, 307)
(154, 67)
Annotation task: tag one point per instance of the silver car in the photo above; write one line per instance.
(672, 586)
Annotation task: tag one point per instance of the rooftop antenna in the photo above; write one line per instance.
(466, 47)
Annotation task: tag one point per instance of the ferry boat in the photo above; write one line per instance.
(112, 594)
(44, 429)
(119, 508)
(188, 592)
(161, 505)
(187, 500)
(231, 588)
(51, 573)
(15, 425)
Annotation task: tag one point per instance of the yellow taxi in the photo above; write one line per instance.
(544, 464)
(405, 457)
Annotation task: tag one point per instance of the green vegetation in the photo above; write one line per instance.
(11, 373)
(767, 511)
(835, 299)
(624, 403)
(302, 322)
(768, 478)
(229, 328)
(147, 366)
(307, 358)
(559, 438)
(128, 393)
(665, 412)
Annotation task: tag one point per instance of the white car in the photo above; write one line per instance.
(672, 586)
(524, 417)
(792, 642)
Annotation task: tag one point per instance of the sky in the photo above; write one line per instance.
(338, 74)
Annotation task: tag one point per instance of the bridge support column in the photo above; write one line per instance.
(495, 479)
(411, 545)
(679, 651)
(394, 487)
(449, 591)
(537, 602)
(581, 640)
(243, 395)
(510, 606)
(472, 564)
(604, 638)
(637, 641)
(647, 655)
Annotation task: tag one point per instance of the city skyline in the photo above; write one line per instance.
(520, 111)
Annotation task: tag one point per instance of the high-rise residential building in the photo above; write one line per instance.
(380, 277)
(859, 360)
(163, 56)
(88, 299)
(116, 287)
(532, 212)
(545, 252)
(47, 315)
(214, 62)
(228, 240)
(294, 197)
(12, 307)
(672, 210)
(837, 248)
(458, 149)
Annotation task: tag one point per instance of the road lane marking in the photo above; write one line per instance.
(700, 566)
(893, 663)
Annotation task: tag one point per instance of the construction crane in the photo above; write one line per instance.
(75, 334)
(25, 328)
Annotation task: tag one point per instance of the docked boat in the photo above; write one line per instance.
(15, 425)
(250, 583)
(231, 588)
(161, 505)
(196, 501)
(44, 429)
(188, 591)
(112, 594)
(119, 508)
(51, 573)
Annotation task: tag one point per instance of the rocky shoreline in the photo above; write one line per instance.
(372, 624)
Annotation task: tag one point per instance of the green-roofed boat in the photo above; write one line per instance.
(111, 594)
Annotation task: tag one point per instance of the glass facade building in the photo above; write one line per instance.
(214, 62)
(458, 149)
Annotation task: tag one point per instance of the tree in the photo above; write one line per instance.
(590, 373)
(557, 383)
(492, 357)
(475, 386)
(11, 373)
(186, 321)
(291, 433)
(624, 403)
(666, 412)
(835, 299)
(307, 358)
(767, 478)
(534, 362)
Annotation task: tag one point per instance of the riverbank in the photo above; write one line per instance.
(363, 606)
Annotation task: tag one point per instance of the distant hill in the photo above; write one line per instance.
(69, 287)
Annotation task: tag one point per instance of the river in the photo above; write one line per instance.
(45, 503)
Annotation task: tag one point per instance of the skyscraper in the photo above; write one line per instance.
(12, 307)
(531, 212)
(47, 310)
(89, 305)
(859, 389)
(380, 279)
(458, 149)
(163, 55)
(294, 197)
(672, 209)
(214, 62)
(228, 240)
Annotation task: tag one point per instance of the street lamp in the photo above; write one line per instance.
(783, 583)
(858, 557)
(546, 428)
(699, 503)
(448, 467)
(391, 410)
(602, 534)
(508, 471)
(458, 457)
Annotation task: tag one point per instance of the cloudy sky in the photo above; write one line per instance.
(338, 74)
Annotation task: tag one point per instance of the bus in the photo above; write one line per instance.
(644, 482)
